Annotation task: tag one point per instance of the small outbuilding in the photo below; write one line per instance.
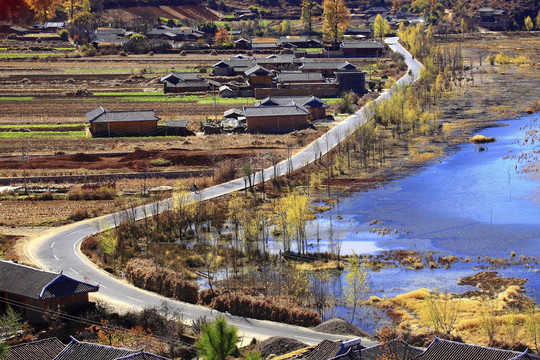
(104, 122)
(32, 290)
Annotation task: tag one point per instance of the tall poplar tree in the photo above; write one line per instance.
(308, 11)
(336, 19)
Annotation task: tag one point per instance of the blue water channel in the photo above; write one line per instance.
(469, 203)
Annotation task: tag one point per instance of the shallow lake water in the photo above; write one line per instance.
(468, 204)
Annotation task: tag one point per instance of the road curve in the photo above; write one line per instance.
(60, 249)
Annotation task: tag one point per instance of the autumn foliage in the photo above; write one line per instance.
(148, 275)
(268, 308)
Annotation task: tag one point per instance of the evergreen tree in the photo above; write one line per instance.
(218, 340)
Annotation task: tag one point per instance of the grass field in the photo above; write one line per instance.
(34, 126)
(28, 55)
(41, 134)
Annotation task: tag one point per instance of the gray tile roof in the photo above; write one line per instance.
(263, 111)
(300, 76)
(394, 349)
(188, 79)
(78, 350)
(323, 351)
(361, 45)
(264, 46)
(102, 115)
(176, 123)
(39, 284)
(332, 65)
(257, 70)
(450, 350)
(142, 356)
(46, 349)
(233, 111)
(305, 101)
(236, 63)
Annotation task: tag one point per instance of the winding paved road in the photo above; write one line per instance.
(60, 250)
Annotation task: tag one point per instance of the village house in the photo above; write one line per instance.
(281, 62)
(328, 69)
(317, 107)
(164, 32)
(233, 66)
(276, 119)
(365, 33)
(104, 122)
(495, 20)
(32, 290)
(259, 76)
(286, 79)
(242, 44)
(183, 82)
(109, 37)
(362, 48)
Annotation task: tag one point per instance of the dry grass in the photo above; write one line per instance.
(481, 139)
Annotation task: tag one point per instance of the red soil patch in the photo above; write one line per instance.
(136, 161)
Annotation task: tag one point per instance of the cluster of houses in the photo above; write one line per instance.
(32, 291)
(277, 75)
(290, 89)
(398, 349)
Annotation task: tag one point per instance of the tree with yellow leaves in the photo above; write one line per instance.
(380, 27)
(336, 19)
(308, 12)
(42, 8)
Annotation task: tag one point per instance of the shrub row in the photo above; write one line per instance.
(103, 193)
(148, 275)
(255, 307)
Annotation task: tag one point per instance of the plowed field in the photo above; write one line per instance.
(192, 12)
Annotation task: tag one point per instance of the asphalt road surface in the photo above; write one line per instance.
(60, 249)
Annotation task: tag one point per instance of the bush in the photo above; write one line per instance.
(64, 34)
(79, 214)
(102, 193)
(147, 275)
(347, 104)
(226, 172)
(263, 308)
(161, 162)
(46, 196)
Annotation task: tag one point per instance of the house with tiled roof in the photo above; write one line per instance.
(276, 119)
(183, 82)
(233, 66)
(362, 48)
(32, 290)
(317, 107)
(46, 349)
(328, 68)
(104, 122)
(259, 76)
(451, 350)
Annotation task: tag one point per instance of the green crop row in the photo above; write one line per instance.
(41, 134)
(16, 98)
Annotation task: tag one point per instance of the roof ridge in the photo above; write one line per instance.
(474, 345)
(101, 345)
(30, 267)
